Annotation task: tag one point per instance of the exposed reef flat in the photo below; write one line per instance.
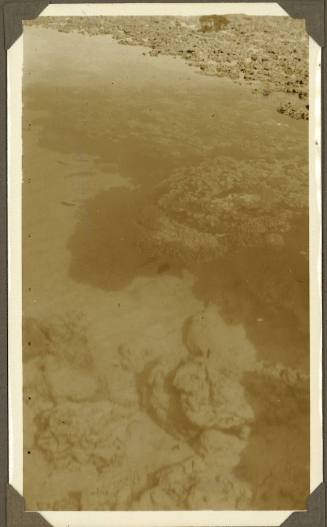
(268, 53)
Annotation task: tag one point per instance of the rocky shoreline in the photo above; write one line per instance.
(269, 54)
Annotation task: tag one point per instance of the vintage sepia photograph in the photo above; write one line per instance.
(165, 261)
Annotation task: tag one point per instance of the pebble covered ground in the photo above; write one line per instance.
(268, 53)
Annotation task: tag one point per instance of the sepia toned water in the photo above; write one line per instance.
(103, 125)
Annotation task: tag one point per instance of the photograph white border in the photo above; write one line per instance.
(162, 518)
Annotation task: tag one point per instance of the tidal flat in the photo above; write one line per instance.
(165, 268)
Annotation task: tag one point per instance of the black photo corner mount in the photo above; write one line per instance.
(14, 13)
(17, 516)
(314, 516)
(12, 504)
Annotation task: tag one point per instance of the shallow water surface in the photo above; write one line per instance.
(103, 127)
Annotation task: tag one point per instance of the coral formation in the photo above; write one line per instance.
(198, 408)
(208, 209)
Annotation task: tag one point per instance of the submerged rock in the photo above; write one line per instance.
(87, 433)
(200, 213)
(212, 399)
